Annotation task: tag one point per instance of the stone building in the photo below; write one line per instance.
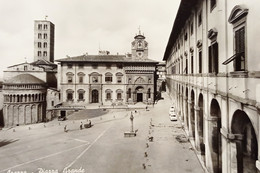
(213, 78)
(30, 89)
(161, 76)
(108, 79)
(44, 40)
(25, 89)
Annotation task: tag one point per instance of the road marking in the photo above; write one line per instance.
(80, 140)
(43, 157)
(84, 151)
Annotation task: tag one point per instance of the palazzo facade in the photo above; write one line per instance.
(213, 70)
(107, 79)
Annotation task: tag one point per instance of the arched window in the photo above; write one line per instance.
(108, 77)
(70, 95)
(119, 77)
(149, 93)
(119, 94)
(108, 94)
(70, 77)
(81, 77)
(81, 93)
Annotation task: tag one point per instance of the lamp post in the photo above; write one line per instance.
(132, 125)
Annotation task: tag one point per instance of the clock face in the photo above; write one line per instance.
(140, 44)
(140, 54)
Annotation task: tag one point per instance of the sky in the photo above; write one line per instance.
(84, 26)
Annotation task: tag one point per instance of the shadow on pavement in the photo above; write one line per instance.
(6, 142)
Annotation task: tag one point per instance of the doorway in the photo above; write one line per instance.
(139, 97)
(95, 96)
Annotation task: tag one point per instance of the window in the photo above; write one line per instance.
(108, 66)
(45, 36)
(70, 95)
(200, 61)
(238, 19)
(69, 65)
(186, 36)
(119, 94)
(45, 26)
(212, 4)
(149, 80)
(108, 77)
(52, 103)
(239, 62)
(119, 77)
(80, 79)
(186, 67)
(81, 95)
(45, 45)
(119, 66)
(81, 66)
(44, 53)
(39, 36)
(95, 79)
(129, 93)
(199, 18)
(191, 28)
(70, 77)
(94, 66)
(149, 93)
(39, 53)
(39, 44)
(25, 68)
(39, 26)
(191, 64)
(108, 94)
(213, 58)
(129, 80)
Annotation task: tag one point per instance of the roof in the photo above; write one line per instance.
(105, 58)
(183, 14)
(43, 62)
(24, 79)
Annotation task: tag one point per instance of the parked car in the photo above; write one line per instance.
(172, 114)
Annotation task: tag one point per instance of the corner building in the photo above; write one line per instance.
(213, 75)
(106, 79)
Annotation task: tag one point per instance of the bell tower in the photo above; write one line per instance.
(139, 47)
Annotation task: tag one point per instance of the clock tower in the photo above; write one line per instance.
(139, 47)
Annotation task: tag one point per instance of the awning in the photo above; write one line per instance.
(232, 58)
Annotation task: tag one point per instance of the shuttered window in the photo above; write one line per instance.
(239, 63)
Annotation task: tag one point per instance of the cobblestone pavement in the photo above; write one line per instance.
(103, 147)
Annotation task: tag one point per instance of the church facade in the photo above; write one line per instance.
(30, 89)
(107, 79)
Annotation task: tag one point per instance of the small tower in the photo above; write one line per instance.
(43, 40)
(139, 47)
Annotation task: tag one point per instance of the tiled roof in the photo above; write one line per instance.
(43, 62)
(24, 79)
(105, 58)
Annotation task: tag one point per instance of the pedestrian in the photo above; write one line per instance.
(65, 128)
(89, 123)
(81, 126)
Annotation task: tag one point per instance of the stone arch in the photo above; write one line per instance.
(245, 142)
(215, 145)
(21, 114)
(28, 112)
(192, 113)
(186, 107)
(200, 124)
